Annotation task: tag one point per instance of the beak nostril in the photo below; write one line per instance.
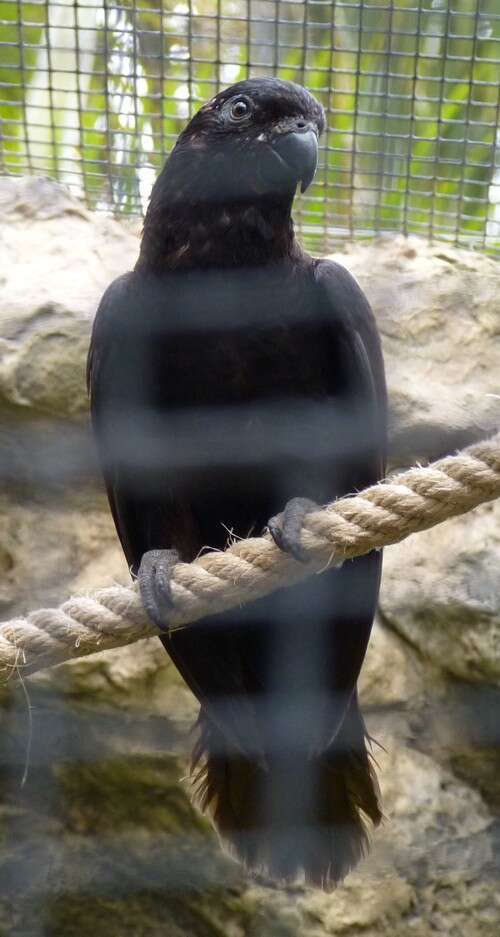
(301, 124)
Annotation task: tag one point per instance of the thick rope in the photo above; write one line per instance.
(376, 517)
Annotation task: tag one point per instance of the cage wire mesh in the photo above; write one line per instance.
(95, 94)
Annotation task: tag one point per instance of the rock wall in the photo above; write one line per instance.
(97, 833)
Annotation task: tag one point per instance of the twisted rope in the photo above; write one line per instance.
(376, 517)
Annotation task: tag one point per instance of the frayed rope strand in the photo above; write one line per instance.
(374, 518)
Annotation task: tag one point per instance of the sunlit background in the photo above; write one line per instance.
(95, 94)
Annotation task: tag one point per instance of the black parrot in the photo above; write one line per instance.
(236, 382)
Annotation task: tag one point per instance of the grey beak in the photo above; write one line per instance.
(299, 150)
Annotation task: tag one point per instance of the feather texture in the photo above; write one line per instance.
(229, 373)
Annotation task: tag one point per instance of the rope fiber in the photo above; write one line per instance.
(380, 515)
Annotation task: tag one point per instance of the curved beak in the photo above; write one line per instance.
(298, 150)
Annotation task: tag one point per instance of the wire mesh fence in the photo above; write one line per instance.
(95, 93)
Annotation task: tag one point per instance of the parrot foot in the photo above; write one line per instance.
(155, 573)
(285, 528)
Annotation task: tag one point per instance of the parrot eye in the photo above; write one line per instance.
(239, 109)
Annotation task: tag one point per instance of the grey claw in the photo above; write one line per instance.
(154, 577)
(282, 541)
(286, 528)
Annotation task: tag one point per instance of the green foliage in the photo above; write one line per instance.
(411, 90)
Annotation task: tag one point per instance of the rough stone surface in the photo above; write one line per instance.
(57, 260)
(101, 840)
(390, 676)
(438, 310)
(66, 542)
(441, 590)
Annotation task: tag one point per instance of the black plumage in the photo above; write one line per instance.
(229, 373)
